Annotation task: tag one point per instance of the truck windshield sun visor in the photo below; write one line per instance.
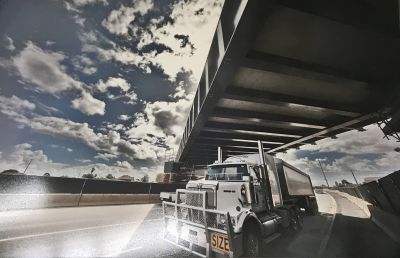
(227, 172)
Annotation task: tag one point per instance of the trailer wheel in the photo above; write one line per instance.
(251, 241)
(296, 220)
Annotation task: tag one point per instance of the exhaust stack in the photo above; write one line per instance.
(262, 158)
(261, 153)
(219, 155)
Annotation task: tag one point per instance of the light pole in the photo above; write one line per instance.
(355, 179)
(28, 166)
(326, 180)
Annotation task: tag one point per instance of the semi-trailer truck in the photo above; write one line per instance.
(240, 203)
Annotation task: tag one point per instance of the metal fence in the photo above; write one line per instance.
(383, 193)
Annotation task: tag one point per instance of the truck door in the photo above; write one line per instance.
(274, 182)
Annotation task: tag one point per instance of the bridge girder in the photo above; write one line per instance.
(291, 74)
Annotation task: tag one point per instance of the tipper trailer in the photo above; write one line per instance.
(240, 202)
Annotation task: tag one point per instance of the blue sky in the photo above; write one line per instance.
(107, 84)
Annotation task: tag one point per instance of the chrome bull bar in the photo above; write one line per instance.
(190, 210)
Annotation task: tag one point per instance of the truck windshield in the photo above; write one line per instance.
(227, 172)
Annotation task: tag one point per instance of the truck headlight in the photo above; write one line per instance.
(184, 232)
(172, 227)
(184, 213)
(222, 219)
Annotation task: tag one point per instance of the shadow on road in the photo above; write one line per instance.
(359, 237)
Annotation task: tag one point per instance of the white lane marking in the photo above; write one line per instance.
(75, 230)
(122, 252)
(325, 240)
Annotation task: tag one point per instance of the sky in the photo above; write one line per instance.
(108, 84)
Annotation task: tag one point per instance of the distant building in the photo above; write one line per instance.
(126, 178)
(11, 172)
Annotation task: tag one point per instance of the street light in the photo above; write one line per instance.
(326, 180)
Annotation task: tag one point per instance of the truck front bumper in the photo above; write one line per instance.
(193, 227)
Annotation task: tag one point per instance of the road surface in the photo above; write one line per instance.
(136, 231)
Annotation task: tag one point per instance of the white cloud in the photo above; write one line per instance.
(16, 108)
(120, 55)
(123, 117)
(89, 70)
(355, 142)
(113, 82)
(44, 69)
(366, 153)
(115, 127)
(143, 6)
(9, 43)
(61, 147)
(23, 153)
(128, 96)
(188, 37)
(84, 64)
(132, 98)
(124, 164)
(118, 21)
(197, 29)
(84, 160)
(89, 105)
(159, 127)
(81, 3)
(105, 156)
(49, 43)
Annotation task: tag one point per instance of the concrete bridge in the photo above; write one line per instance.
(291, 73)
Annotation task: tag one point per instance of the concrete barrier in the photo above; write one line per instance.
(35, 201)
(110, 199)
(363, 205)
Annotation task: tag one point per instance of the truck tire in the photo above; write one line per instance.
(296, 220)
(251, 241)
(312, 208)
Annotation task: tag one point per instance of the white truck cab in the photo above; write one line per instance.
(240, 201)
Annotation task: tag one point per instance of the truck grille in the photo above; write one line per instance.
(193, 199)
(210, 198)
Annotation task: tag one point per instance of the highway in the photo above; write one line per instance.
(341, 229)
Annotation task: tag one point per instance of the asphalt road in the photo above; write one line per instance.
(136, 231)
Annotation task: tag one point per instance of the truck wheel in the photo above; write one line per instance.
(252, 241)
(312, 208)
(296, 221)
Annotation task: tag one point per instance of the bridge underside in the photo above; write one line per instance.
(291, 73)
